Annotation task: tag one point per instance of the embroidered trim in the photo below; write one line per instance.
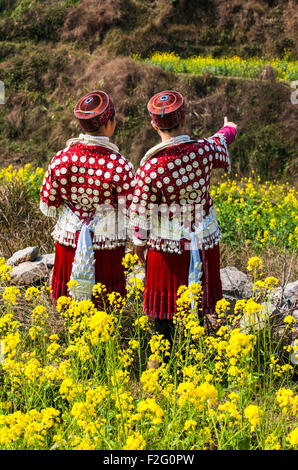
(86, 139)
(169, 246)
(49, 211)
(174, 246)
(207, 236)
(83, 291)
(180, 139)
(106, 235)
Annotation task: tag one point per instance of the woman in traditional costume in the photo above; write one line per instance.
(172, 184)
(89, 187)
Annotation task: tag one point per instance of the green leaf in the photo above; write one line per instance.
(243, 443)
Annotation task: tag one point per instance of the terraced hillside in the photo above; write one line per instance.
(52, 52)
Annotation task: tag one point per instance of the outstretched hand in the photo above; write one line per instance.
(229, 123)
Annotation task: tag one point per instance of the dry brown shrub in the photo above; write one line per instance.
(21, 222)
(90, 20)
(273, 265)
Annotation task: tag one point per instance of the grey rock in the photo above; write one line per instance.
(289, 295)
(235, 283)
(259, 320)
(30, 271)
(294, 355)
(295, 315)
(27, 254)
(291, 292)
(48, 259)
(140, 275)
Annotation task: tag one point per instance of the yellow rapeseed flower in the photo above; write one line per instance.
(135, 441)
(253, 414)
(292, 437)
(10, 295)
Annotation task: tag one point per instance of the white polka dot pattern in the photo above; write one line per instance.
(178, 175)
(88, 175)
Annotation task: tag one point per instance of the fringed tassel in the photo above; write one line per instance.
(212, 240)
(49, 211)
(166, 245)
(78, 296)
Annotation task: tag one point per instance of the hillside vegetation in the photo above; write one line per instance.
(53, 52)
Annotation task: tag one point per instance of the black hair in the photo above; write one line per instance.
(110, 119)
(113, 115)
(171, 129)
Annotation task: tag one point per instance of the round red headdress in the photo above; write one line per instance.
(166, 109)
(94, 110)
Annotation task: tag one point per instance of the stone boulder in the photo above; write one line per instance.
(289, 295)
(139, 273)
(258, 320)
(48, 259)
(27, 254)
(235, 283)
(30, 272)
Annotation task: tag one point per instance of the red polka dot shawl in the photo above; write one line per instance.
(87, 180)
(178, 176)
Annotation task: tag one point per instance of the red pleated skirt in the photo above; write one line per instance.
(108, 269)
(166, 272)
